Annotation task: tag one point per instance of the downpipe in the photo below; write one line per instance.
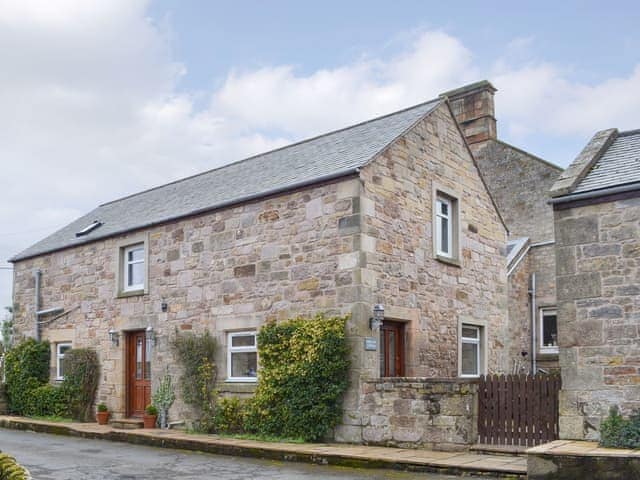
(532, 294)
(38, 278)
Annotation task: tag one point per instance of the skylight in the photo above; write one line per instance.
(89, 228)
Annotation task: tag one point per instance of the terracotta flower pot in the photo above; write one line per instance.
(149, 420)
(102, 417)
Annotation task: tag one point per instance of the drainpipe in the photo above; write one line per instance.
(532, 293)
(38, 276)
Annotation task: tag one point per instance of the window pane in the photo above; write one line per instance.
(61, 367)
(550, 330)
(469, 332)
(62, 349)
(136, 274)
(244, 364)
(444, 235)
(147, 359)
(383, 355)
(136, 255)
(444, 208)
(243, 340)
(139, 358)
(391, 358)
(470, 359)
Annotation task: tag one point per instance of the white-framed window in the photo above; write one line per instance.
(548, 330)
(61, 349)
(133, 268)
(445, 226)
(242, 357)
(471, 350)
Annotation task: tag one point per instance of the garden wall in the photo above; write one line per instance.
(417, 412)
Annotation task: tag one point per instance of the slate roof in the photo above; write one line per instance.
(327, 156)
(618, 165)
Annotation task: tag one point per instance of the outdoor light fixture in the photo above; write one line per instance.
(375, 322)
(114, 336)
(150, 336)
(164, 306)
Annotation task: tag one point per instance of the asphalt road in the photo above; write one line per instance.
(64, 458)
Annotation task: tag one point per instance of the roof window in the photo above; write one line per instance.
(89, 228)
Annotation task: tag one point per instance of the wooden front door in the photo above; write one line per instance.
(138, 374)
(392, 349)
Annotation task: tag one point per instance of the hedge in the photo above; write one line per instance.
(619, 432)
(304, 365)
(30, 393)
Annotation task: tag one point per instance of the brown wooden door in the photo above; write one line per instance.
(392, 349)
(138, 374)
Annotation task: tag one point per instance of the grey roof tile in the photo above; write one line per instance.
(289, 167)
(618, 165)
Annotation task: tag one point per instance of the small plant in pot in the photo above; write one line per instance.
(102, 414)
(150, 416)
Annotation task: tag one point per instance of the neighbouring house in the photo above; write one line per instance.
(596, 204)
(393, 211)
(519, 183)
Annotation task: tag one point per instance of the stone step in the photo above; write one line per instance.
(509, 450)
(127, 423)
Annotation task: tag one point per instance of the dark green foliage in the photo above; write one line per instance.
(101, 407)
(230, 415)
(151, 410)
(30, 393)
(80, 384)
(304, 366)
(26, 368)
(196, 354)
(618, 432)
(11, 470)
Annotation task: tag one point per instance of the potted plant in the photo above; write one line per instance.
(102, 414)
(150, 416)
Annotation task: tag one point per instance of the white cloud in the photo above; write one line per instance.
(90, 109)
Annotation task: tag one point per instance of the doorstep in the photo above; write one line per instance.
(127, 423)
(457, 463)
(499, 449)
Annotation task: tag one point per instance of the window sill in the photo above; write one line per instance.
(448, 260)
(236, 387)
(131, 293)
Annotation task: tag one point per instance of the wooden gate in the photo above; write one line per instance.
(518, 410)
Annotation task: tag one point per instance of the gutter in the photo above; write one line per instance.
(218, 206)
(595, 193)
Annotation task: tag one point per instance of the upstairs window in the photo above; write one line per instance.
(548, 331)
(133, 268)
(444, 229)
(242, 357)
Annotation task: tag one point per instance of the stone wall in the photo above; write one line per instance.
(401, 270)
(598, 275)
(229, 270)
(518, 337)
(417, 412)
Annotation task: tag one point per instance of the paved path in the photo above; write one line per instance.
(64, 458)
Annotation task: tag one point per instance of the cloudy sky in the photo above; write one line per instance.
(99, 99)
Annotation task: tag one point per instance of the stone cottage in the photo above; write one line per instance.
(393, 211)
(596, 204)
(519, 183)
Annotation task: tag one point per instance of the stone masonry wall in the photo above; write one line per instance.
(518, 337)
(401, 269)
(229, 270)
(598, 275)
(416, 412)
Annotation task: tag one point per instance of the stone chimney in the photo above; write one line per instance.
(474, 110)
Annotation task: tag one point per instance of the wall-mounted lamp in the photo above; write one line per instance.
(375, 322)
(114, 336)
(164, 306)
(150, 335)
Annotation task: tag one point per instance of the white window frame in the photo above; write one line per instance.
(60, 356)
(473, 341)
(441, 200)
(543, 312)
(125, 268)
(248, 349)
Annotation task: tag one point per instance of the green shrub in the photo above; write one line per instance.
(151, 410)
(196, 354)
(26, 368)
(303, 374)
(101, 407)
(12, 470)
(80, 383)
(230, 415)
(619, 432)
